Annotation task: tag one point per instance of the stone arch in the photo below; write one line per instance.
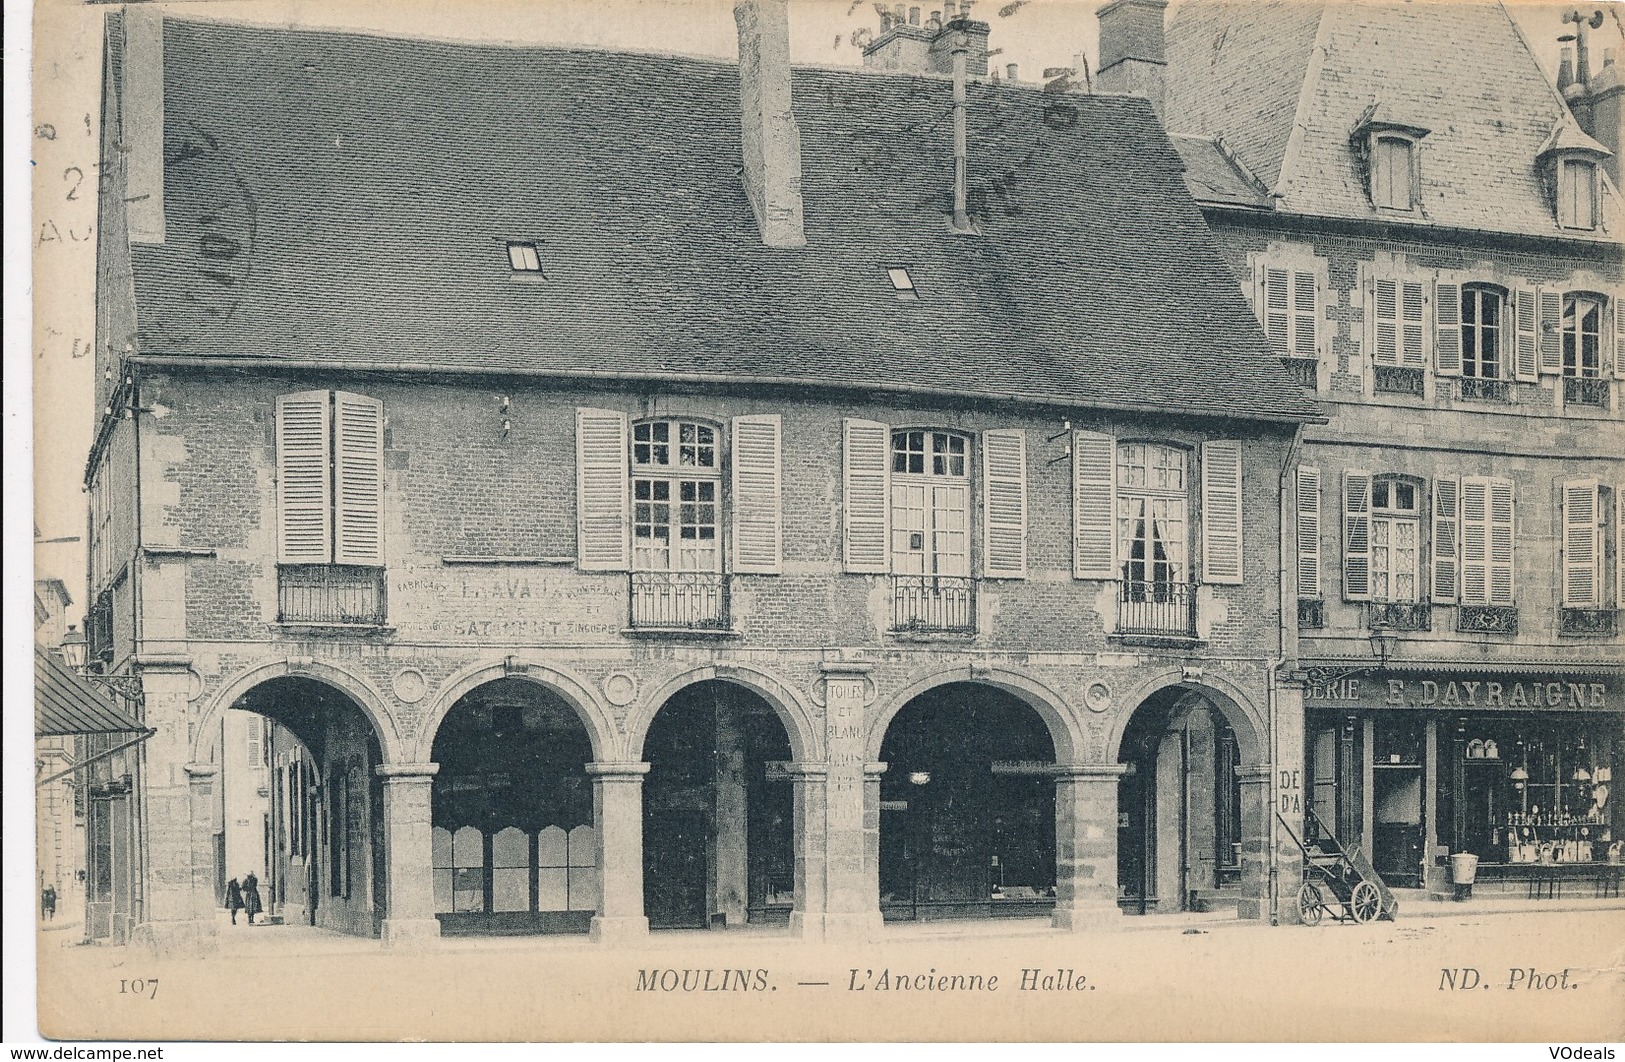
(805, 743)
(1052, 708)
(1232, 701)
(572, 688)
(361, 692)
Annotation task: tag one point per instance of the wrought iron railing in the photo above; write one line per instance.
(1486, 390)
(1487, 619)
(1585, 391)
(1398, 380)
(1157, 608)
(680, 600)
(1402, 615)
(1311, 613)
(933, 603)
(330, 593)
(1588, 622)
(1304, 370)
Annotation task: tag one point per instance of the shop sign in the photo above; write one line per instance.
(1457, 692)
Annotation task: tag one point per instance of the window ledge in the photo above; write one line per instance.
(1157, 641)
(682, 632)
(932, 636)
(359, 628)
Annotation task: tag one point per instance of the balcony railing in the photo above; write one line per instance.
(1487, 619)
(1485, 390)
(1398, 380)
(1402, 615)
(1304, 370)
(330, 593)
(1588, 622)
(680, 601)
(1157, 608)
(1311, 613)
(1585, 391)
(933, 603)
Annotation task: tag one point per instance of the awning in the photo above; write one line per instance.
(66, 703)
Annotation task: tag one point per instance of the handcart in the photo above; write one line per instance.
(1338, 881)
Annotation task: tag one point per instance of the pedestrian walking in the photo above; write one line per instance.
(234, 899)
(47, 902)
(251, 896)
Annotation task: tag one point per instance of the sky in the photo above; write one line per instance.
(1035, 34)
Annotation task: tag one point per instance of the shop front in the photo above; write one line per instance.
(1514, 769)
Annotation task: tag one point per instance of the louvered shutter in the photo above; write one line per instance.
(1305, 305)
(602, 520)
(1551, 331)
(1525, 360)
(1004, 504)
(866, 538)
(1385, 322)
(1356, 535)
(1413, 324)
(1580, 542)
(1094, 505)
(1221, 511)
(1447, 328)
(304, 478)
(1619, 538)
(1613, 325)
(757, 495)
(1502, 530)
(1277, 308)
(1446, 540)
(358, 461)
(1308, 513)
(1475, 544)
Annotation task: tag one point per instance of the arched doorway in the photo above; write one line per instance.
(1180, 843)
(967, 807)
(513, 843)
(299, 804)
(718, 811)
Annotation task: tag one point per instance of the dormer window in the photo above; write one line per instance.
(523, 258)
(1567, 166)
(1577, 193)
(1393, 163)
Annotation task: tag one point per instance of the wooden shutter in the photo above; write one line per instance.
(602, 520)
(1221, 511)
(1502, 530)
(1619, 539)
(1308, 513)
(1613, 338)
(1551, 331)
(1446, 540)
(1385, 322)
(1447, 328)
(304, 478)
(1305, 304)
(866, 495)
(757, 458)
(1413, 324)
(1580, 544)
(1094, 505)
(1525, 359)
(1356, 535)
(1004, 504)
(358, 462)
(1277, 308)
(1475, 545)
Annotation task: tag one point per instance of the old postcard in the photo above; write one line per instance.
(822, 520)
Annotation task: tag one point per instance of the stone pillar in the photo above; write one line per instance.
(409, 916)
(202, 778)
(1256, 810)
(617, 806)
(174, 900)
(871, 828)
(730, 869)
(809, 782)
(1294, 791)
(1086, 846)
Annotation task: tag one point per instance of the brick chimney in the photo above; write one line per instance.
(1132, 58)
(908, 47)
(1600, 115)
(770, 139)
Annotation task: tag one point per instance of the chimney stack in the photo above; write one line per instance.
(1132, 56)
(770, 139)
(1565, 70)
(959, 48)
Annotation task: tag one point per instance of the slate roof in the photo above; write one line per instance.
(1461, 70)
(66, 703)
(343, 198)
(1213, 177)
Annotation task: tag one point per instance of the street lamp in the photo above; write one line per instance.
(1383, 642)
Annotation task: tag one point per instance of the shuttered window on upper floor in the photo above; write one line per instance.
(330, 479)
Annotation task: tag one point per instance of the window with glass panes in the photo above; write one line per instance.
(1153, 514)
(1396, 530)
(676, 487)
(1481, 339)
(1582, 336)
(930, 504)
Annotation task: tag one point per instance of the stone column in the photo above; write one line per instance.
(617, 805)
(1294, 791)
(731, 867)
(409, 917)
(871, 829)
(1256, 809)
(809, 782)
(1086, 846)
(202, 778)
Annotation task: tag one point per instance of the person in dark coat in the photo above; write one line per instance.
(234, 899)
(48, 901)
(251, 896)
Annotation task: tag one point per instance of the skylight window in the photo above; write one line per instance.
(523, 258)
(902, 283)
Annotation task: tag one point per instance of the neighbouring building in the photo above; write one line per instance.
(1429, 231)
(652, 491)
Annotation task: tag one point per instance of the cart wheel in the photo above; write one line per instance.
(1365, 902)
(1310, 904)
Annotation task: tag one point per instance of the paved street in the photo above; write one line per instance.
(1190, 977)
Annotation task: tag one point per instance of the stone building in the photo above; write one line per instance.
(1429, 231)
(655, 491)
